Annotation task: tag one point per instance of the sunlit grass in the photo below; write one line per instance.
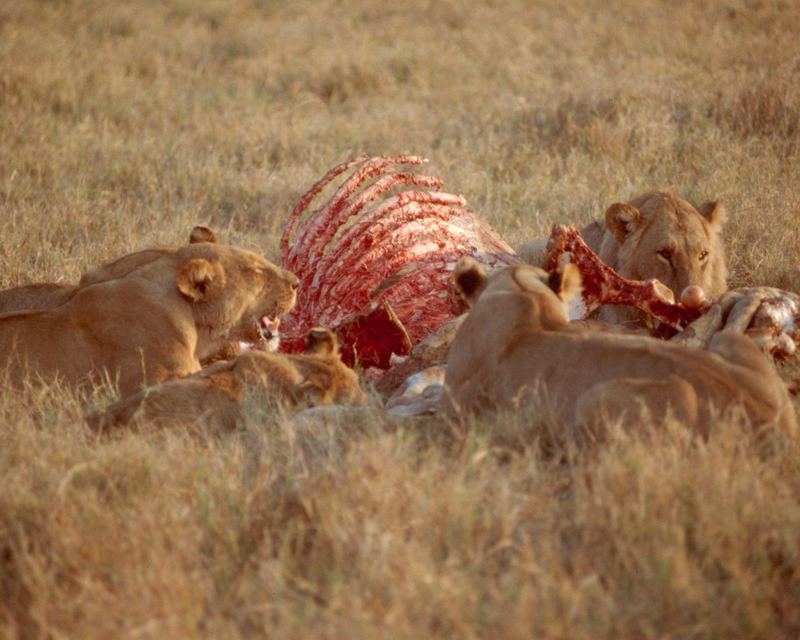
(122, 125)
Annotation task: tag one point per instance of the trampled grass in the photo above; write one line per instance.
(122, 125)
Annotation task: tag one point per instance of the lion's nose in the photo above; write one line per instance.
(294, 282)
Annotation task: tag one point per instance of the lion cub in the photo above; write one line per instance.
(516, 347)
(212, 398)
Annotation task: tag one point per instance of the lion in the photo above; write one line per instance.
(516, 347)
(656, 235)
(213, 397)
(46, 295)
(154, 323)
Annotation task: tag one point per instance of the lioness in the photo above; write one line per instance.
(517, 346)
(213, 397)
(46, 295)
(154, 323)
(656, 235)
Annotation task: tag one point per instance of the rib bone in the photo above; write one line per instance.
(377, 267)
(602, 285)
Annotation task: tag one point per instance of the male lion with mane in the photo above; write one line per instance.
(516, 347)
(212, 398)
(155, 322)
(656, 235)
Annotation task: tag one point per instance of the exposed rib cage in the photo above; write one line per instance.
(377, 268)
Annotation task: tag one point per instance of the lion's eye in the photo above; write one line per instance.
(666, 255)
(703, 256)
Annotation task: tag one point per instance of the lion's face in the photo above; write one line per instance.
(236, 293)
(662, 236)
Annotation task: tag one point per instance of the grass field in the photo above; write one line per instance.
(123, 124)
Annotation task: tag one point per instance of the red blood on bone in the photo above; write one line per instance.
(380, 274)
(368, 339)
(302, 205)
(323, 224)
(363, 230)
(389, 232)
(367, 272)
(382, 185)
(372, 338)
(602, 285)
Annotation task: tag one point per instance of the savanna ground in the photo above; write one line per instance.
(123, 124)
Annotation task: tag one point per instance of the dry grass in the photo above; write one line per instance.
(124, 124)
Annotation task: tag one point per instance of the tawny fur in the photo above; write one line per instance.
(212, 398)
(659, 235)
(156, 322)
(516, 347)
(656, 235)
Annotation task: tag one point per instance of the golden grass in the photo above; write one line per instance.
(124, 124)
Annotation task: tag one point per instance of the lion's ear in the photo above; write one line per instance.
(566, 281)
(714, 212)
(202, 234)
(200, 280)
(470, 279)
(321, 342)
(621, 219)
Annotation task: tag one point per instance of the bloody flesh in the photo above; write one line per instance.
(602, 285)
(377, 268)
